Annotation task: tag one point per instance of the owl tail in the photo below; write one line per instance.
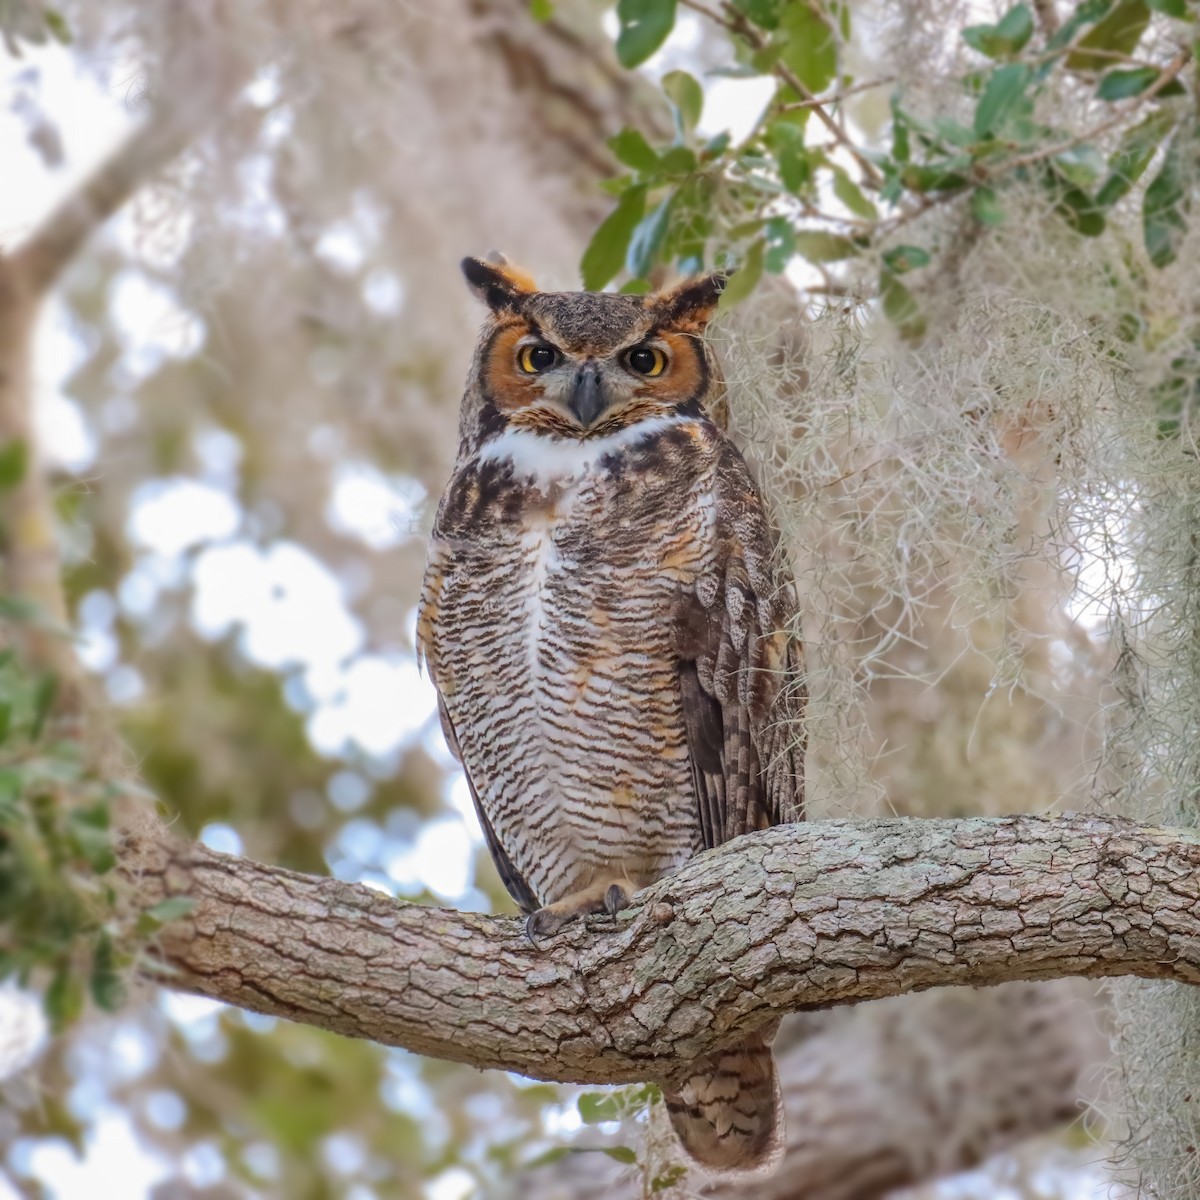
(729, 1114)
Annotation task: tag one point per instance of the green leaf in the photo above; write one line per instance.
(954, 133)
(10, 793)
(899, 306)
(541, 10)
(850, 194)
(985, 206)
(1128, 162)
(667, 1178)
(621, 1154)
(1087, 13)
(170, 909)
(1163, 219)
(841, 10)
(1170, 8)
(14, 462)
(595, 1107)
(1119, 33)
(646, 240)
(1120, 85)
(761, 12)
(44, 691)
(63, 999)
(811, 47)
(742, 282)
(553, 1155)
(716, 146)
(906, 258)
(686, 94)
(1082, 165)
(645, 25)
(936, 177)
(1074, 205)
(88, 832)
(605, 253)
(617, 186)
(679, 160)
(691, 223)
(1004, 39)
(781, 244)
(818, 246)
(107, 986)
(57, 24)
(795, 160)
(1001, 98)
(900, 145)
(632, 149)
(1016, 27)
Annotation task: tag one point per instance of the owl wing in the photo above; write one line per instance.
(739, 672)
(512, 879)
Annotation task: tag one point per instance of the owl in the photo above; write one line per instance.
(606, 621)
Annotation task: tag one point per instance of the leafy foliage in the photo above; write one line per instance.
(800, 189)
(57, 922)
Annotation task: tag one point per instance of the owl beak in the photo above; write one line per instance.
(587, 399)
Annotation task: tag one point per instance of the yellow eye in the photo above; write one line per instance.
(646, 360)
(535, 359)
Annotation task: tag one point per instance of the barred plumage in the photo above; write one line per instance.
(606, 622)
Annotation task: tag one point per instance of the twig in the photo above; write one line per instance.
(695, 6)
(840, 96)
(737, 23)
(870, 171)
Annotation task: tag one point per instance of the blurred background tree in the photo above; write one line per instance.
(963, 352)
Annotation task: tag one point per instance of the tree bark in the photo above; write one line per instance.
(788, 919)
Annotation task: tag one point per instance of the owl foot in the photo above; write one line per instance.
(609, 897)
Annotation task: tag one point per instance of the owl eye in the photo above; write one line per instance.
(533, 360)
(646, 360)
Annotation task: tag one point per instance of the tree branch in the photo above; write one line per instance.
(790, 918)
(204, 74)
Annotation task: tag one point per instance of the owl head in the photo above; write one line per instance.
(581, 365)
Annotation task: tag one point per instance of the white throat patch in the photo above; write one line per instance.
(545, 460)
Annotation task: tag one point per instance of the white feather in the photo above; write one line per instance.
(545, 459)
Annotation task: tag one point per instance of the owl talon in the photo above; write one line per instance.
(531, 927)
(618, 896)
(602, 898)
(545, 922)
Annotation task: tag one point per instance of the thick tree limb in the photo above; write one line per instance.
(791, 918)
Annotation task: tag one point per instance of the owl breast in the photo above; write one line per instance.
(552, 647)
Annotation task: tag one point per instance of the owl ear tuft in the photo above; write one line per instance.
(692, 302)
(496, 282)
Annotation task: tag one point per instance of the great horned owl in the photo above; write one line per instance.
(606, 622)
